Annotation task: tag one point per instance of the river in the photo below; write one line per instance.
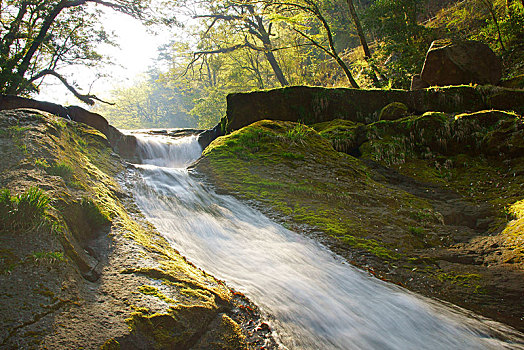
(312, 298)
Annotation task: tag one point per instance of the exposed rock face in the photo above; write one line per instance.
(454, 63)
(311, 105)
(125, 145)
(417, 83)
(205, 138)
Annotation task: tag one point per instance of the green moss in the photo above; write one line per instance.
(8, 260)
(467, 280)
(344, 135)
(46, 257)
(232, 337)
(174, 328)
(392, 111)
(94, 214)
(65, 171)
(153, 291)
(299, 190)
(372, 246)
(416, 231)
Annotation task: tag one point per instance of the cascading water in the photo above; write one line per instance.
(315, 299)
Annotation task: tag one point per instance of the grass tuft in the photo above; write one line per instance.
(24, 211)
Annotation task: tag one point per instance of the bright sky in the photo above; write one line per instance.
(137, 49)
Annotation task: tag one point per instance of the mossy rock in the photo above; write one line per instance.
(424, 205)
(345, 136)
(253, 163)
(393, 111)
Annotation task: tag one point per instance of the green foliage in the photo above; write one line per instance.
(298, 133)
(152, 102)
(40, 37)
(65, 171)
(292, 156)
(416, 231)
(42, 163)
(404, 41)
(24, 211)
(209, 108)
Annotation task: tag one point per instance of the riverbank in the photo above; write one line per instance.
(80, 267)
(431, 202)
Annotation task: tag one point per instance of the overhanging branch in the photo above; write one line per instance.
(87, 98)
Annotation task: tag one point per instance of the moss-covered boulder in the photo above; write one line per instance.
(393, 111)
(420, 207)
(345, 136)
(80, 267)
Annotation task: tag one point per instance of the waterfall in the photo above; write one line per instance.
(313, 299)
(167, 152)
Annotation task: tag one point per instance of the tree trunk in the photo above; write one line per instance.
(15, 86)
(489, 6)
(363, 42)
(276, 68)
(360, 32)
(264, 36)
(333, 50)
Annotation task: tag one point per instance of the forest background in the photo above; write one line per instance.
(245, 45)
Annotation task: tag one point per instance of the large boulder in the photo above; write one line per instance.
(454, 63)
(124, 144)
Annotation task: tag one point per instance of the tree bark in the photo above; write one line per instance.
(363, 41)
(264, 36)
(335, 55)
(276, 68)
(489, 6)
(358, 25)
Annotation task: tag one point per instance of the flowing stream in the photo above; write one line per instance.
(314, 299)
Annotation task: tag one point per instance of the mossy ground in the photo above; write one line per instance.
(427, 205)
(95, 274)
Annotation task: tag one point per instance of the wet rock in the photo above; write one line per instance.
(460, 62)
(94, 274)
(206, 137)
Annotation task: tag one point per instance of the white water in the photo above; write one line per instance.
(315, 299)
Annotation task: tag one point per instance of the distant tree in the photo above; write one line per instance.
(150, 103)
(249, 29)
(490, 6)
(308, 20)
(403, 40)
(363, 41)
(39, 37)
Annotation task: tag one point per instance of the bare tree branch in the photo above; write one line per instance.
(87, 98)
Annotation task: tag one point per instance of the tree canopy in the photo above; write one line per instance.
(242, 45)
(39, 37)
